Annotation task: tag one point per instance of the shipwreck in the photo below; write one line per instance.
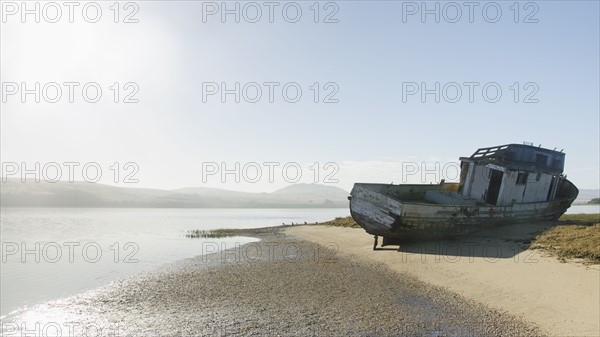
(498, 185)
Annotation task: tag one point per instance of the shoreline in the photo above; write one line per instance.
(460, 287)
(277, 285)
(494, 267)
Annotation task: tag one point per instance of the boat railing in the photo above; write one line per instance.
(488, 151)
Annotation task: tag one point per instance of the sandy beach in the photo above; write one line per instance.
(492, 268)
(283, 286)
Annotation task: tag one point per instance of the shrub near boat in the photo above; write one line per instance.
(498, 185)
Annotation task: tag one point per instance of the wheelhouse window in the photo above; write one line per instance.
(541, 160)
(557, 164)
(522, 178)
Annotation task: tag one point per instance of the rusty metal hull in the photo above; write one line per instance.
(401, 212)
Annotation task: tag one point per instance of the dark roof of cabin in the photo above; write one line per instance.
(520, 157)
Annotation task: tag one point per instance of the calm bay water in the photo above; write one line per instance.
(50, 253)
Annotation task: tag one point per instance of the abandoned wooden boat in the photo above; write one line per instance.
(498, 185)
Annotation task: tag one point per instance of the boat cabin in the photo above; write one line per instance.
(498, 185)
(509, 174)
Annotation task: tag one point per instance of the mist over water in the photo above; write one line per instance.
(49, 253)
(583, 209)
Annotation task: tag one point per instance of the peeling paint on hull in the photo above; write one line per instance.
(400, 212)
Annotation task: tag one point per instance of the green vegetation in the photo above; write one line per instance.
(576, 236)
(595, 201)
(588, 219)
(227, 232)
(214, 233)
(340, 222)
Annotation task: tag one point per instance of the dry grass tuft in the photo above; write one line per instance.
(340, 222)
(214, 233)
(577, 236)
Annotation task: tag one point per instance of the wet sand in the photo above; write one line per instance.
(493, 267)
(279, 286)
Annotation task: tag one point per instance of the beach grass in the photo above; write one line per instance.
(576, 237)
(589, 218)
(214, 233)
(340, 222)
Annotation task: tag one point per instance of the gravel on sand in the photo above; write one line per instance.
(278, 286)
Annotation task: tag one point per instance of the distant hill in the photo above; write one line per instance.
(307, 191)
(83, 194)
(586, 195)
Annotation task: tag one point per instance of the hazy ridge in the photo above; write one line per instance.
(83, 194)
(586, 195)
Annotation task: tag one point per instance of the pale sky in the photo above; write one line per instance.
(367, 63)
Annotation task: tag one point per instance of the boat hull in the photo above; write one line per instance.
(400, 212)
